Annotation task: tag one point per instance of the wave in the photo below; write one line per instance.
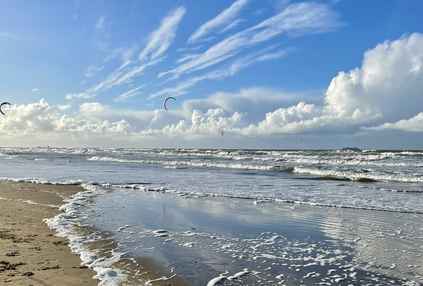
(257, 199)
(233, 159)
(65, 225)
(42, 181)
(309, 167)
(358, 177)
(198, 164)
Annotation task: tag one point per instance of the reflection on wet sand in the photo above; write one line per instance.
(199, 239)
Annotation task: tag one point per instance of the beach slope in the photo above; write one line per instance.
(30, 254)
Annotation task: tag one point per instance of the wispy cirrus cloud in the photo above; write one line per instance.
(295, 19)
(221, 21)
(80, 95)
(230, 70)
(363, 98)
(235, 23)
(128, 94)
(160, 40)
(92, 70)
(158, 43)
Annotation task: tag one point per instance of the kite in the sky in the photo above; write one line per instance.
(2, 111)
(166, 100)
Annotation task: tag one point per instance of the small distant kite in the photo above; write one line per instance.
(2, 105)
(166, 100)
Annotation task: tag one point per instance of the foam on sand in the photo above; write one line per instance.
(65, 225)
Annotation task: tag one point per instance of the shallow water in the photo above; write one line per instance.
(289, 217)
(383, 180)
(199, 238)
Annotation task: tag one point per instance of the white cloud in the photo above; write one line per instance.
(230, 70)
(389, 82)
(235, 23)
(252, 103)
(126, 57)
(179, 89)
(42, 119)
(210, 123)
(128, 94)
(82, 95)
(384, 93)
(158, 43)
(187, 57)
(388, 87)
(92, 70)
(35, 90)
(414, 124)
(161, 39)
(298, 19)
(292, 119)
(90, 108)
(222, 20)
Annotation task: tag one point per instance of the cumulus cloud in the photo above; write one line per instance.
(221, 21)
(292, 119)
(41, 118)
(387, 87)
(414, 124)
(252, 103)
(384, 93)
(209, 124)
(389, 82)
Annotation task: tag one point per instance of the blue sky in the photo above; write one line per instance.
(87, 59)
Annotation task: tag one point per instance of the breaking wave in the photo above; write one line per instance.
(357, 177)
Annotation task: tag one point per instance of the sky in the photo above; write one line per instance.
(244, 73)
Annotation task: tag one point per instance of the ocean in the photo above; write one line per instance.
(236, 217)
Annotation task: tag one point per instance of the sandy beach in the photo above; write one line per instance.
(30, 254)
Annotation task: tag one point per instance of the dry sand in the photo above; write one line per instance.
(30, 254)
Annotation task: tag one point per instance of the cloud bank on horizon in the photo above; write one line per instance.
(380, 96)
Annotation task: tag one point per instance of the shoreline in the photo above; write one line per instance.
(31, 253)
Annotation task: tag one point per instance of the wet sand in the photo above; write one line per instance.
(279, 244)
(30, 253)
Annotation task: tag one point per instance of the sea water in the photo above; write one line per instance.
(237, 217)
